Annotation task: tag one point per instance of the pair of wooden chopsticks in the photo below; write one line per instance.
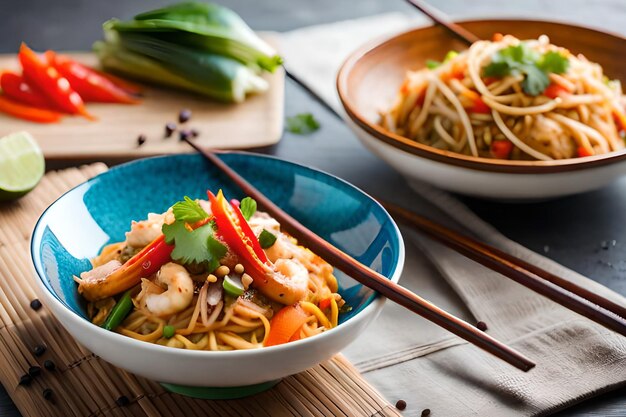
(576, 298)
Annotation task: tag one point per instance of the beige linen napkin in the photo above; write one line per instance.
(408, 358)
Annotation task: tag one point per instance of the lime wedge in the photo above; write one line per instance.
(21, 165)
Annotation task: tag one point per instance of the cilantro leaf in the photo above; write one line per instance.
(189, 211)
(555, 62)
(247, 207)
(194, 246)
(432, 64)
(535, 81)
(520, 59)
(266, 239)
(302, 124)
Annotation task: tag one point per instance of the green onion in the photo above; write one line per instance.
(232, 286)
(169, 331)
(119, 312)
(266, 239)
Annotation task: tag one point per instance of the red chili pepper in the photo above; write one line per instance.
(91, 86)
(555, 90)
(14, 87)
(480, 106)
(23, 111)
(501, 149)
(238, 235)
(47, 79)
(582, 152)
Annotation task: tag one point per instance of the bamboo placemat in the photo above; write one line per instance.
(85, 385)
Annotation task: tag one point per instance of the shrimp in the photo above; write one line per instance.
(145, 231)
(177, 296)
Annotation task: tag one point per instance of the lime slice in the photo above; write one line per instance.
(21, 165)
(233, 286)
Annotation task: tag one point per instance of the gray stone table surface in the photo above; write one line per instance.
(570, 230)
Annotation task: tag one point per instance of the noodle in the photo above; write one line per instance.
(209, 317)
(456, 107)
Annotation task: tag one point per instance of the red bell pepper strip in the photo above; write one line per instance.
(501, 149)
(23, 111)
(47, 79)
(554, 90)
(582, 152)
(480, 106)
(145, 263)
(285, 324)
(236, 232)
(324, 303)
(90, 85)
(14, 87)
(620, 120)
(238, 235)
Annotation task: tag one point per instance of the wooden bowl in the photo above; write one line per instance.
(371, 76)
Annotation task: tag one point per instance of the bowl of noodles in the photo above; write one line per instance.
(163, 268)
(536, 110)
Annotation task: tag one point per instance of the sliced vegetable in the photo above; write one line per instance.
(501, 149)
(47, 79)
(217, 76)
(22, 165)
(14, 87)
(232, 285)
(205, 26)
(555, 90)
(23, 111)
(169, 331)
(583, 152)
(266, 239)
(285, 324)
(143, 264)
(479, 106)
(89, 84)
(324, 303)
(119, 312)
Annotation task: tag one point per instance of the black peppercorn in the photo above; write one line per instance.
(401, 405)
(35, 304)
(122, 401)
(34, 371)
(141, 139)
(426, 412)
(26, 379)
(169, 129)
(184, 135)
(49, 365)
(481, 325)
(184, 115)
(47, 394)
(39, 350)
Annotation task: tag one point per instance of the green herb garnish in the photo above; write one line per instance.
(302, 124)
(345, 309)
(189, 211)
(266, 239)
(191, 246)
(169, 331)
(432, 64)
(520, 59)
(247, 207)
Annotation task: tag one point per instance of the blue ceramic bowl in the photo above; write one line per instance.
(75, 228)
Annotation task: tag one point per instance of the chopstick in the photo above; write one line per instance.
(439, 18)
(552, 286)
(560, 290)
(369, 277)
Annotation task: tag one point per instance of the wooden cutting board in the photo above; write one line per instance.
(255, 123)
